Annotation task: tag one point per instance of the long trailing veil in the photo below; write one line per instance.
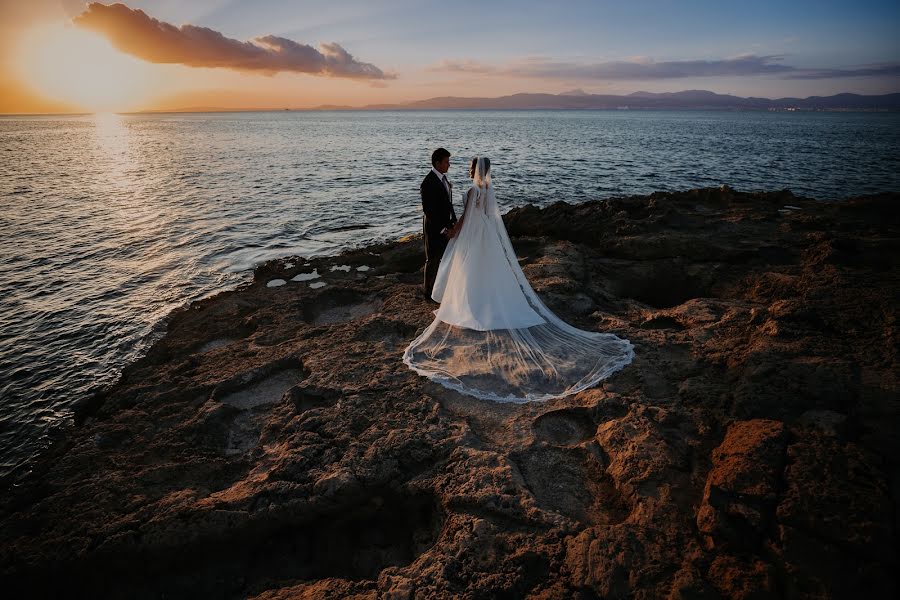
(492, 337)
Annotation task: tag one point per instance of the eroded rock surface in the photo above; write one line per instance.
(273, 444)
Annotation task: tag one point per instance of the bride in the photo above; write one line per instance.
(492, 337)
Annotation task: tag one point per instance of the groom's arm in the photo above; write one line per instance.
(453, 212)
(430, 203)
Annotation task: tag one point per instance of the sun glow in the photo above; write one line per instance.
(65, 63)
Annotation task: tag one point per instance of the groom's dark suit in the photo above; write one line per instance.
(437, 204)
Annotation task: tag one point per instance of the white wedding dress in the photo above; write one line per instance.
(492, 337)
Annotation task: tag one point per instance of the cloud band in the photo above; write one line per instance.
(642, 70)
(134, 32)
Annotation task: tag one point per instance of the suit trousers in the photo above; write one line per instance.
(434, 250)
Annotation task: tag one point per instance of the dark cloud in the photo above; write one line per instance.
(741, 66)
(136, 33)
(879, 70)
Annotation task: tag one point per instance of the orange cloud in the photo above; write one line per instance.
(136, 33)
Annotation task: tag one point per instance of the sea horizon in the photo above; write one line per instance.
(700, 98)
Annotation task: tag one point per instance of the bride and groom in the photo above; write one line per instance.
(492, 336)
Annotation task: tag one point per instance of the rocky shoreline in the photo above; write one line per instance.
(273, 444)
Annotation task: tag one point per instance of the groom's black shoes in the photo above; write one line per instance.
(427, 297)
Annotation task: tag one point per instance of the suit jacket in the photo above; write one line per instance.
(437, 205)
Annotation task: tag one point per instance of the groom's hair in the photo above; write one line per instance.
(438, 155)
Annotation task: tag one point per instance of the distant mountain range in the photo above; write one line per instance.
(580, 100)
(689, 99)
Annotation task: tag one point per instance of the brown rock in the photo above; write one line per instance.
(273, 445)
(742, 486)
(742, 579)
(836, 520)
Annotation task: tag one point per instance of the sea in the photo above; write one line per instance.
(111, 221)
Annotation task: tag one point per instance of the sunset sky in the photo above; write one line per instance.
(68, 55)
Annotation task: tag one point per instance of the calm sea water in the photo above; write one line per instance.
(109, 222)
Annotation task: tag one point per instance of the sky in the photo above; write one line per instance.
(69, 55)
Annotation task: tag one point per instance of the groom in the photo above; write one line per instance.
(439, 218)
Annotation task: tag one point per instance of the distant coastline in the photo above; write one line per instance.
(686, 100)
(578, 100)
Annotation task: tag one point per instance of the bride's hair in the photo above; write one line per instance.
(480, 171)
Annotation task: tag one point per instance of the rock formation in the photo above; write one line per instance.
(273, 445)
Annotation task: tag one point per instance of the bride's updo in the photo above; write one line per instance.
(480, 171)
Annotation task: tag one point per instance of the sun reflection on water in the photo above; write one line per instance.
(111, 137)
